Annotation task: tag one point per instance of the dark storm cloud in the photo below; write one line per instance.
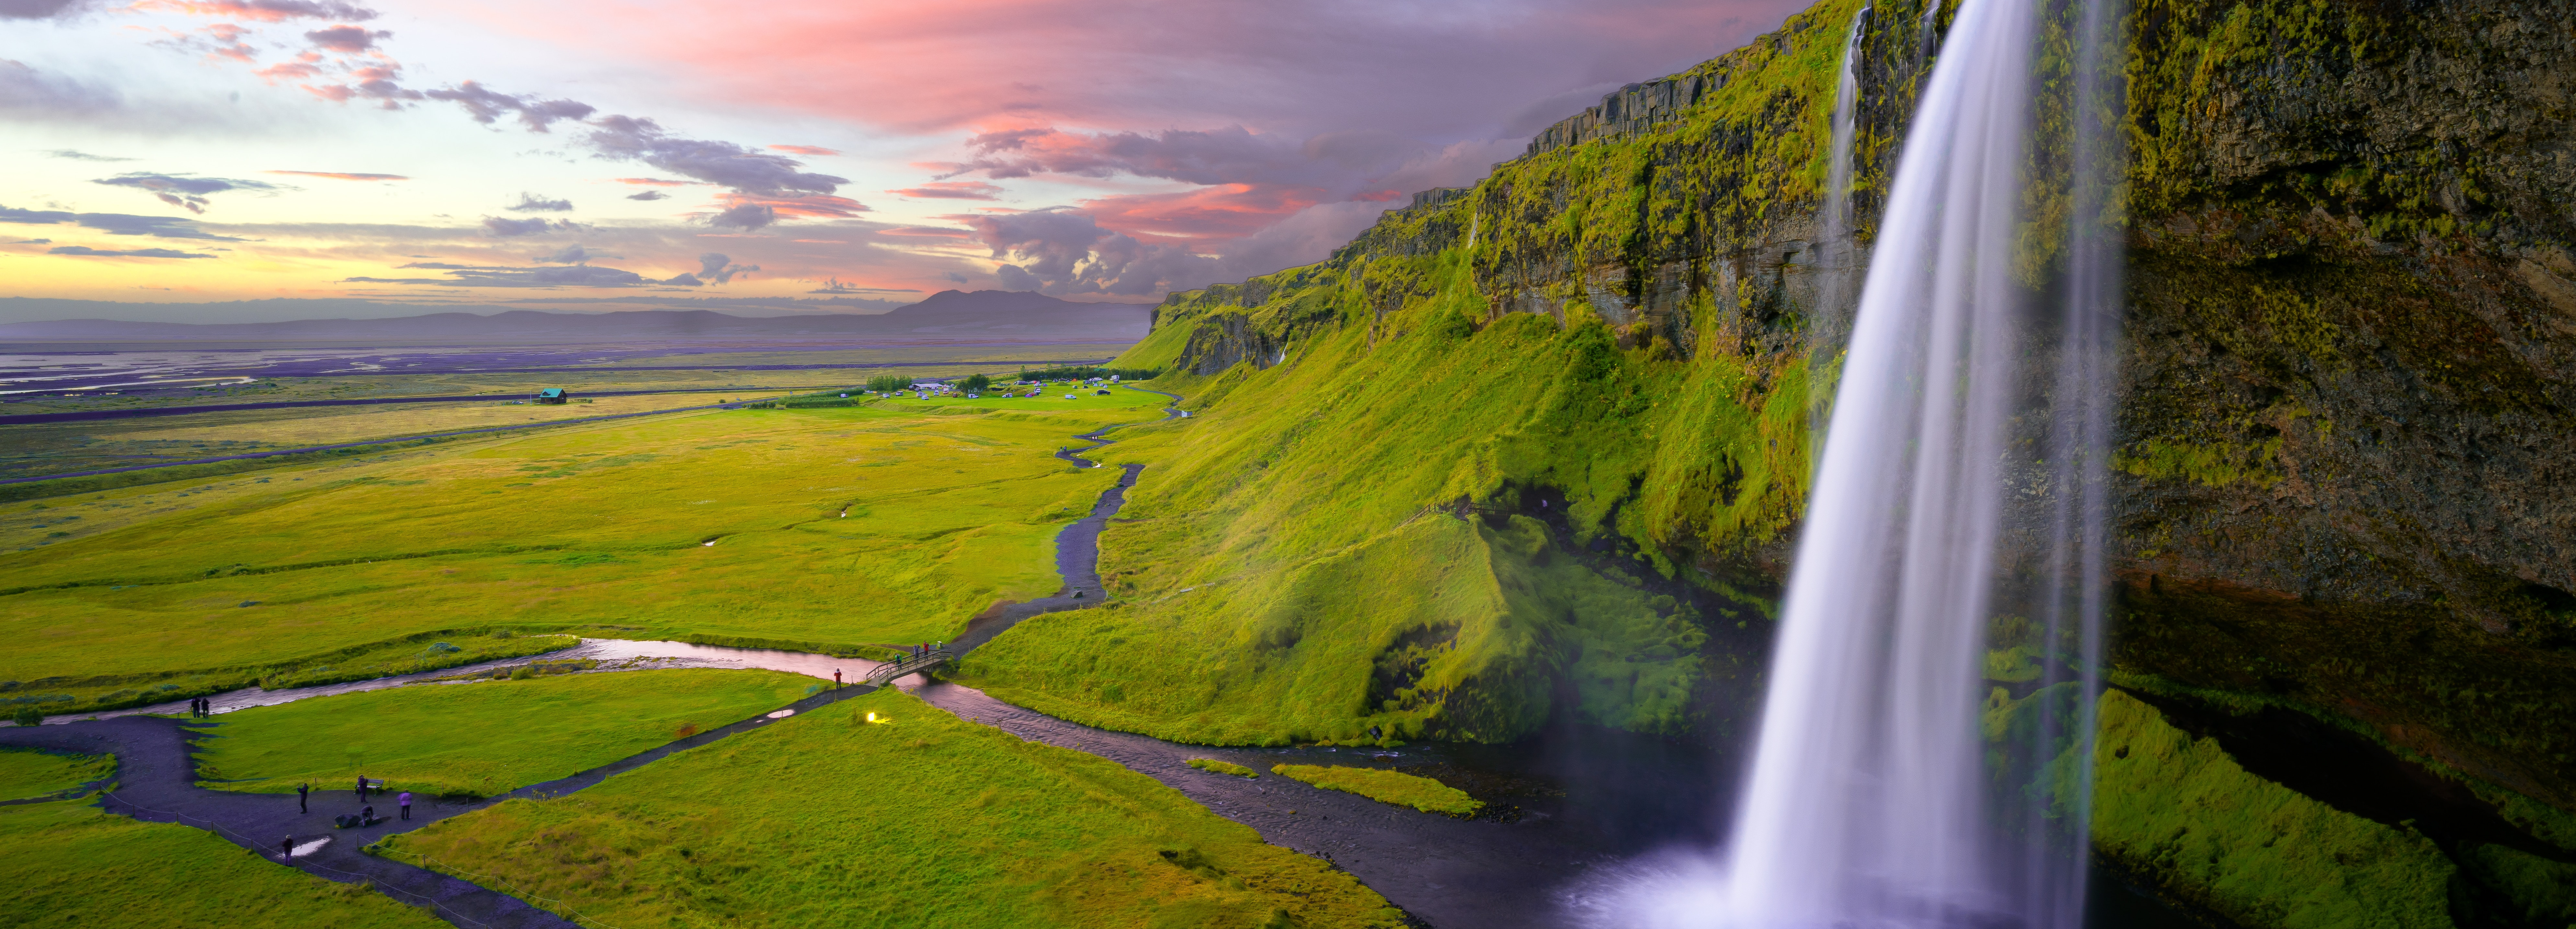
(649, 195)
(724, 163)
(487, 105)
(88, 252)
(166, 227)
(532, 203)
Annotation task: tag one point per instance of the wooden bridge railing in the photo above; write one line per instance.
(885, 674)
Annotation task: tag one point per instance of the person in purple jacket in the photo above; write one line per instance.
(404, 801)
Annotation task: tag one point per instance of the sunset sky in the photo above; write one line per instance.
(177, 150)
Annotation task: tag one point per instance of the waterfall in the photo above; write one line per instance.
(1834, 247)
(1903, 773)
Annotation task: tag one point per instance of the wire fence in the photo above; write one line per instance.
(453, 871)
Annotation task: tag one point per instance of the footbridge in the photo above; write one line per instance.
(912, 663)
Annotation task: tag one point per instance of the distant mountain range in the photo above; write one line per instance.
(948, 314)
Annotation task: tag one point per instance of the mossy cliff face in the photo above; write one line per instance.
(2343, 462)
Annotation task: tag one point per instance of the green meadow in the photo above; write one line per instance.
(480, 739)
(829, 528)
(825, 818)
(27, 772)
(70, 865)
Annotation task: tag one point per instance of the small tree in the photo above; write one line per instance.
(28, 716)
(975, 383)
(886, 384)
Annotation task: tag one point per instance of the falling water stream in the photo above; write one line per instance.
(1956, 503)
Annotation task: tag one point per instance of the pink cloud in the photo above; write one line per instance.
(811, 206)
(951, 190)
(1219, 212)
(802, 150)
(1291, 69)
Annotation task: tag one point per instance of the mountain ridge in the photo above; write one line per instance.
(946, 313)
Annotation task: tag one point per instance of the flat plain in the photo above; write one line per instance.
(885, 523)
(480, 739)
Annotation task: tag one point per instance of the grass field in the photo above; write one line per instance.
(70, 865)
(479, 739)
(724, 524)
(27, 772)
(1385, 786)
(824, 819)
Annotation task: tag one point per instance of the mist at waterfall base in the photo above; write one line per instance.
(1924, 751)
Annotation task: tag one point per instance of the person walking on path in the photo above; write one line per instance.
(836, 678)
(362, 787)
(300, 791)
(404, 801)
(286, 848)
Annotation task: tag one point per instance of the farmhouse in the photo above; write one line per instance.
(553, 395)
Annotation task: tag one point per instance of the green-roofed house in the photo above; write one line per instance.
(553, 395)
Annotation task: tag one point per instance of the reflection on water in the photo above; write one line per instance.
(644, 654)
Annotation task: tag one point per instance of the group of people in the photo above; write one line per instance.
(923, 650)
(365, 816)
(201, 707)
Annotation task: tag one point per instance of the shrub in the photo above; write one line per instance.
(889, 383)
(975, 383)
(28, 716)
(1223, 767)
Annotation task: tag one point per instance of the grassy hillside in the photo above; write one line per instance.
(1413, 513)
(920, 820)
